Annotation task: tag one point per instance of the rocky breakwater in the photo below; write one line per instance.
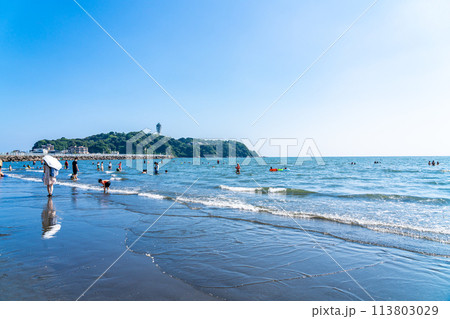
(81, 157)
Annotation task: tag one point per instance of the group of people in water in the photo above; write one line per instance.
(155, 169)
(50, 180)
(49, 177)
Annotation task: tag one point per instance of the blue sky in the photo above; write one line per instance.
(381, 90)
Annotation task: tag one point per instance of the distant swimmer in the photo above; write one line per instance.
(238, 168)
(101, 166)
(10, 168)
(156, 168)
(433, 163)
(165, 171)
(119, 169)
(429, 163)
(218, 162)
(66, 165)
(144, 171)
(98, 166)
(437, 163)
(105, 184)
(110, 166)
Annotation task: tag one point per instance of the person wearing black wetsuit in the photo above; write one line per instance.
(75, 169)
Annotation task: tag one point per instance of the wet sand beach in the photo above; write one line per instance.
(42, 265)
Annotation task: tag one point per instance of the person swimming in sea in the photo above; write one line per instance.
(106, 183)
(238, 168)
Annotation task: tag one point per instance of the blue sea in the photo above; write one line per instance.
(310, 232)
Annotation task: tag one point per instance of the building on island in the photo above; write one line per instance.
(158, 128)
(39, 151)
(78, 150)
(44, 149)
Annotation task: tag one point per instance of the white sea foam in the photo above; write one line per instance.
(255, 189)
(276, 190)
(381, 226)
(79, 185)
(151, 195)
(241, 189)
(30, 179)
(221, 203)
(124, 191)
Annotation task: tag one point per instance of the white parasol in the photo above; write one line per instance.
(52, 162)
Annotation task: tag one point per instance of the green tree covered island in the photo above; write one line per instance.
(116, 142)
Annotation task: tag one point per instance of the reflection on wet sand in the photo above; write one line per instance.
(49, 220)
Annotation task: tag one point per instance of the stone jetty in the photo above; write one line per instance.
(81, 157)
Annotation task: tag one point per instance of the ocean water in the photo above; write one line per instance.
(286, 235)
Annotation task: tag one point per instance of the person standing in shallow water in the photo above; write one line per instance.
(48, 180)
(75, 169)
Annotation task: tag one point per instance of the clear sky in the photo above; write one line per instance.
(383, 89)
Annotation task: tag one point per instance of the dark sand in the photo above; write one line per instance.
(89, 240)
